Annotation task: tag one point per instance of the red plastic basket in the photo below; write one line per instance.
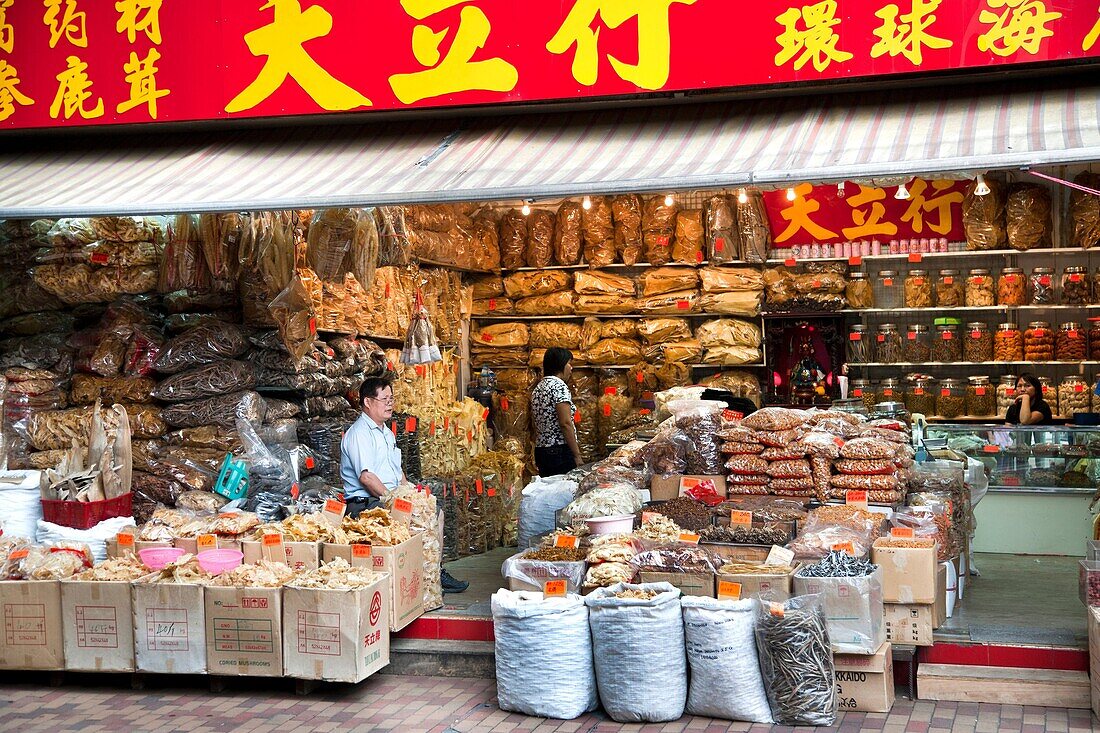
(85, 514)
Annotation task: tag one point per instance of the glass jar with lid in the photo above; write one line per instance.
(1008, 343)
(979, 289)
(858, 346)
(1041, 286)
(888, 344)
(1006, 393)
(915, 347)
(1073, 396)
(1071, 343)
(951, 398)
(889, 290)
(950, 292)
(1094, 339)
(1038, 342)
(946, 346)
(859, 291)
(981, 399)
(1012, 287)
(918, 289)
(1050, 394)
(921, 396)
(1076, 286)
(978, 344)
(889, 390)
(862, 389)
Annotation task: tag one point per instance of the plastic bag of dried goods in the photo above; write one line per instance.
(598, 282)
(527, 284)
(223, 411)
(728, 332)
(548, 334)
(497, 306)
(393, 244)
(292, 310)
(730, 279)
(202, 345)
(680, 302)
(1027, 216)
(700, 420)
(603, 305)
(627, 672)
(210, 380)
(86, 389)
(741, 303)
(540, 238)
(567, 234)
(740, 384)
(501, 335)
(658, 227)
(627, 211)
(687, 246)
(544, 664)
(485, 245)
(561, 303)
(1084, 211)
(623, 328)
(599, 233)
(802, 693)
(513, 240)
(722, 238)
(685, 351)
(614, 351)
(660, 280)
(658, 330)
(984, 216)
(731, 355)
(752, 224)
(486, 286)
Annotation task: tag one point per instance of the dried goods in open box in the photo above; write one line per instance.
(598, 282)
(540, 238)
(680, 302)
(1028, 216)
(86, 389)
(1084, 211)
(552, 304)
(627, 212)
(984, 216)
(723, 241)
(661, 280)
(548, 334)
(527, 284)
(59, 429)
(599, 233)
(614, 351)
(604, 305)
(568, 233)
(687, 246)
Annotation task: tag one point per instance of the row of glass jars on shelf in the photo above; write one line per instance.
(973, 342)
(973, 397)
(950, 289)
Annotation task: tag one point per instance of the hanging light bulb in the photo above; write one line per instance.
(790, 194)
(840, 191)
(902, 193)
(742, 196)
(669, 201)
(586, 204)
(981, 188)
(526, 209)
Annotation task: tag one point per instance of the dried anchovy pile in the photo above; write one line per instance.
(556, 554)
(797, 665)
(838, 565)
(741, 535)
(686, 512)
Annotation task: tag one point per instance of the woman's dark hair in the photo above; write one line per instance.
(371, 387)
(554, 361)
(1034, 382)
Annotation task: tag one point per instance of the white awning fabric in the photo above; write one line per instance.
(762, 142)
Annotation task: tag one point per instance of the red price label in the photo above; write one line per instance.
(720, 244)
(410, 425)
(915, 257)
(19, 554)
(492, 304)
(888, 282)
(485, 414)
(880, 338)
(740, 518)
(504, 403)
(1073, 334)
(479, 485)
(847, 547)
(1075, 278)
(1078, 388)
(689, 538)
(607, 410)
(975, 334)
(857, 392)
(640, 376)
(918, 390)
(1045, 281)
(728, 590)
(567, 541)
(99, 258)
(790, 262)
(313, 325)
(611, 391)
(332, 506)
(945, 393)
(903, 533)
(662, 240)
(855, 261)
(554, 589)
(855, 337)
(855, 498)
(487, 338)
(979, 391)
(887, 392)
(682, 305)
(918, 281)
(270, 540)
(206, 542)
(577, 418)
(310, 463)
(699, 257)
(360, 550)
(991, 449)
(402, 506)
(949, 280)
(947, 336)
(124, 539)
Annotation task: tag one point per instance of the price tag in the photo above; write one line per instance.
(915, 257)
(1075, 278)
(918, 391)
(421, 371)
(1045, 281)
(611, 391)
(485, 414)
(662, 240)
(393, 428)
(294, 491)
(699, 257)
(855, 337)
(1010, 279)
(648, 517)
(410, 425)
(855, 261)
(360, 550)
(125, 540)
(334, 511)
(888, 282)
(607, 410)
(720, 244)
(682, 305)
(776, 609)
(313, 325)
(567, 541)
(206, 542)
(689, 538)
(492, 304)
(779, 556)
(99, 258)
(446, 423)
(1073, 334)
(431, 428)
(856, 498)
(728, 591)
(902, 533)
(739, 518)
(911, 335)
(847, 547)
(947, 336)
(1078, 388)
(577, 418)
(945, 393)
(918, 281)
(479, 485)
(790, 262)
(554, 589)
(19, 554)
(881, 338)
(857, 392)
(273, 549)
(888, 392)
(640, 376)
(402, 510)
(388, 293)
(487, 338)
(310, 463)
(975, 334)
(949, 280)
(815, 284)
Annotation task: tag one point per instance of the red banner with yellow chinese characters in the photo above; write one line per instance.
(822, 214)
(85, 62)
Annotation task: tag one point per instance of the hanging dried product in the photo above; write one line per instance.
(540, 238)
(599, 233)
(627, 213)
(567, 234)
(513, 240)
(722, 237)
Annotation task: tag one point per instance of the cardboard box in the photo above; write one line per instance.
(98, 626)
(853, 610)
(908, 573)
(405, 565)
(112, 546)
(1094, 657)
(690, 584)
(169, 628)
(31, 612)
(530, 575)
(741, 553)
(190, 545)
(244, 631)
(299, 555)
(865, 682)
(909, 624)
(755, 585)
(939, 609)
(663, 488)
(336, 635)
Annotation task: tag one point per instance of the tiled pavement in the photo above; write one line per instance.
(421, 704)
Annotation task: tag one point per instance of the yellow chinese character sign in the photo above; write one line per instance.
(907, 33)
(810, 35)
(1016, 25)
(141, 75)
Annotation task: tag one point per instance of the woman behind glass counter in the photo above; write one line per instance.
(1029, 408)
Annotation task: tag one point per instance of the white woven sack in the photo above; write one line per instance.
(543, 655)
(641, 667)
(725, 670)
(540, 500)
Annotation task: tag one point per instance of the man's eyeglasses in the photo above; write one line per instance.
(384, 401)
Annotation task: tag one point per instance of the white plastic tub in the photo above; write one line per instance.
(610, 525)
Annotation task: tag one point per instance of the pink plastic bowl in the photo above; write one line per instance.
(218, 561)
(156, 558)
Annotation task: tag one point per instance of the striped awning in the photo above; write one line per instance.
(763, 142)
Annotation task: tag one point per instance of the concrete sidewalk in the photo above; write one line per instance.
(421, 704)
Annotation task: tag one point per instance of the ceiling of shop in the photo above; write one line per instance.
(760, 142)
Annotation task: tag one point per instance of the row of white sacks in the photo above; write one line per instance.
(554, 654)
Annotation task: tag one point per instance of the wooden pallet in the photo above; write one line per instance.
(1004, 685)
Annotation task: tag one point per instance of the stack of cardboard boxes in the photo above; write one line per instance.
(914, 588)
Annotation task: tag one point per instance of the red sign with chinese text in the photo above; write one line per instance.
(820, 214)
(79, 62)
